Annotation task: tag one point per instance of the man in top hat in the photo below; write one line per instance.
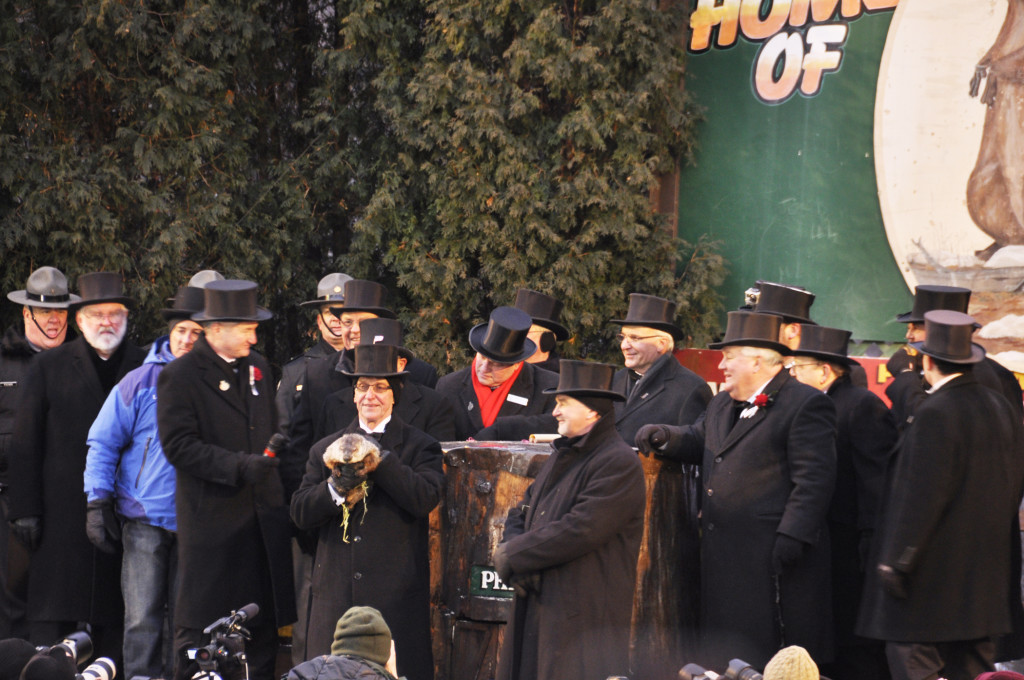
(216, 415)
(60, 398)
(371, 514)
(329, 302)
(658, 389)
(938, 594)
(500, 396)
(865, 435)
(907, 388)
(44, 312)
(768, 464)
(546, 331)
(570, 546)
(129, 486)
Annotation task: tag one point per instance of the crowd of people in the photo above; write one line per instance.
(150, 492)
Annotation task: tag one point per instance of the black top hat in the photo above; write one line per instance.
(330, 289)
(383, 332)
(586, 379)
(543, 309)
(651, 312)
(46, 287)
(752, 329)
(503, 337)
(231, 300)
(366, 296)
(98, 288)
(927, 298)
(827, 344)
(188, 301)
(374, 361)
(948, 337)
(792, 303)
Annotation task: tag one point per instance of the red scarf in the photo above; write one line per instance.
(490, 401)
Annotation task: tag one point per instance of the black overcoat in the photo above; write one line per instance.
(385, 561)
(290, 387)
(773, 473)
(69, 579)
(527, 408)
(579, 526)
(954, 486)
(233, 537)
(420, 407)
(667, 394)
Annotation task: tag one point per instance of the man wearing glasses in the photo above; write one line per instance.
(657, 388)
(70, 581)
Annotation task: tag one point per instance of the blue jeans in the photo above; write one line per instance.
(148, 572)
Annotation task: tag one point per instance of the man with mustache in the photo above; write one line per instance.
(70, 581)
(44, 311)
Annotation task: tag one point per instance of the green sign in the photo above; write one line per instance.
(484, 582)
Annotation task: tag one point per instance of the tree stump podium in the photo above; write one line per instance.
(470, 605)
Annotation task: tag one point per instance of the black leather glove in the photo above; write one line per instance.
(901, 361)
(346, 477)
(524, 584)
(894, 582)
(501, 565)
(102, 526)
(254, 469)
(786, 551)
(28, 530)
(651, 438)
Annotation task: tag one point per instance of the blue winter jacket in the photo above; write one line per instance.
(125, 458)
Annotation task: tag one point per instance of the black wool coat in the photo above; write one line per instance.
(61, 395)
(427, 410)
(954, 486)
(289, 389)
(234, 537)
(385, 561)
(15, 355)
(667, 394)
(579, 526)
(526, 411)
(773, 473)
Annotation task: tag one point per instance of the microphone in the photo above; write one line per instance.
(275, 446)
(236, 618)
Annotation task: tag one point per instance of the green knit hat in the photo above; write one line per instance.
(361, 631)
(791, 663)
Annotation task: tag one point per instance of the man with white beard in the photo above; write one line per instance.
(70, 581)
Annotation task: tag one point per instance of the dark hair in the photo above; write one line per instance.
(949, 368)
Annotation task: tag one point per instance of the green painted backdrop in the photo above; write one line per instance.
(790, 189)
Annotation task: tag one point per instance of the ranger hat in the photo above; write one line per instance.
(752, 329)
(330, 289)
(503, 337)
(46, 287)
(651, 312)
(99, 288)
(231, 300)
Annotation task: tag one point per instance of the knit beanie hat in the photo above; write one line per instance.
(361, 631)
(1000, 675)
(14, 654)
(791, 663)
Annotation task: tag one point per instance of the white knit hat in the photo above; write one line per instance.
(791, 663)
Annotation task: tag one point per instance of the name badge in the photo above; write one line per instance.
(515, 399)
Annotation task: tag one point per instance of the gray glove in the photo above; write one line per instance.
(254, 469)
(28, 530)
(102, 526)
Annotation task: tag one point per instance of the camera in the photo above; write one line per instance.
(738, 670)
(77, 646)
(226, 651)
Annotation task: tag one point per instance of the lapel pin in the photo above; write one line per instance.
(224, 386)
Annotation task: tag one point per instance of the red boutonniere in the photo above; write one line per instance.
(762, 400)
(255, 375)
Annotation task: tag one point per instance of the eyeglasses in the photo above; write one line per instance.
(93, 315)
(633, 339)
(377, 388)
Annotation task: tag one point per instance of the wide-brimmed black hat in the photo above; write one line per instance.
(374, 361)
(384, 332)
(651, 312)
(97, 288)
(927, 298)
(948, 337)
(827, 344)
(752, 329)
(792, 303)
(231, 300)
(586, 379)
(366, 296)
(503, 337)
(187, 301)
(543, 309)
(331, 289)
(46, 287)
